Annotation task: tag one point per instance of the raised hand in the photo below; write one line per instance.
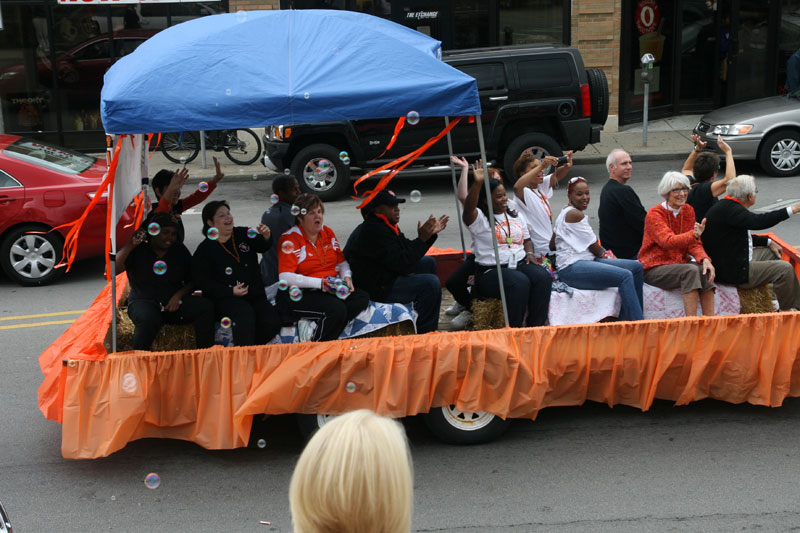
(459, 161)
(263, 229)
(218, 174)
(427, 230)
(699, 144)
(173, 191)
(699, 228)
(725, 147)
(138, 237)
(550, 161)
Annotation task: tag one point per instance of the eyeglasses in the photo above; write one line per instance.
(680, 190)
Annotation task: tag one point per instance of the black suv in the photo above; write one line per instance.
(533, 97)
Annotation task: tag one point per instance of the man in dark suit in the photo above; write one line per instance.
(621, 212)
(733, 250)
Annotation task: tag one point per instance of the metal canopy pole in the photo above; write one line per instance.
(491, 218)
(112, 257)
(455, 191)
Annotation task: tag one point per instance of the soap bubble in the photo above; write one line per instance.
(346, 160)
(202, 186)
(344, 155)
(283, 285)
(274, 199)
(252, 233)
(351, 387)
(160, 268)
(182, 160)
(228, 271)
(129, 382)
(212, 233)
(225, 322)
(228, 92)
(287, 247)
(154, 229)
(415, 196)
(303, 211)
(412, 118)
(255, 177)
(287, 171)
(306, 96)
(342, 291)
(152, 481)
(241, 16)
(323, 165)
(262, 443)
(295, 294)
(295, 210)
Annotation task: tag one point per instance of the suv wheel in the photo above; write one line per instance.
(319, 171)
(779, 154)
(539, 143)
(598, 95)
(458, 427)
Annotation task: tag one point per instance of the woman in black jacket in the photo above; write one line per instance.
(225, 268)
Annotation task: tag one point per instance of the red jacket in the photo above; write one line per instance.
(668, 240)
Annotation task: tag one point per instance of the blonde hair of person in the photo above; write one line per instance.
(354, 476)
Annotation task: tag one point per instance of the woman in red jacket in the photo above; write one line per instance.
(671, 236)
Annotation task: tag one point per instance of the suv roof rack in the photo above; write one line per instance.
(510, 50)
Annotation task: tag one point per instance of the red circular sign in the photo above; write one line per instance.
(647, 16)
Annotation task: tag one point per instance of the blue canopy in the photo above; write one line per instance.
(257, 68)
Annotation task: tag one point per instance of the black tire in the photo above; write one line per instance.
(329, 183)
(540, 143)
(247, 149)
(455, 427)
(38, 269)
(779, 153)
(598, 95)
(309, 424)
(180, 147)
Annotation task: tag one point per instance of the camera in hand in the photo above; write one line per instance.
(562, 160)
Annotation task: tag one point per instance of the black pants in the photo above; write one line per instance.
(147, 316)
(255, 320)
(457, 281)
(527, 287)
(330, 313)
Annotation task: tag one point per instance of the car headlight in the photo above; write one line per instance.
(731, 129)
(8, 75)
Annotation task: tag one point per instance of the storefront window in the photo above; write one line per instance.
(788, 38)
(530, 21)
(379, 8)
(26, 77)
(470, 24)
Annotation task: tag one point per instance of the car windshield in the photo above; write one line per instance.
(49, 156)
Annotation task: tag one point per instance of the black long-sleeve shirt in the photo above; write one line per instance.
(621, 219)
(216, 270)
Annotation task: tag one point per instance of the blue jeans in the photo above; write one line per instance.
(625, 274)
(422, 287)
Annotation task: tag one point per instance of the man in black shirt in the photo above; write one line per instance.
(621, 213)
(393, 268)
(159, 272)
(702, 168)
(278, 219)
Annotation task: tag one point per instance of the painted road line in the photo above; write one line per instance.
(42, 315)
(35, 324)
(776, 205)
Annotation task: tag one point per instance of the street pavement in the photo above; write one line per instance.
(708, 466)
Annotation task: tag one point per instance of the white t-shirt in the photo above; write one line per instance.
(516, 229)
(573, 240)
(538, 213)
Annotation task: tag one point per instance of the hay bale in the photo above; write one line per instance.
(170, 337)
(756, 300)
(406, 327)
(487, 314)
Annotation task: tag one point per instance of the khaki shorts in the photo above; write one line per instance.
(687, 277)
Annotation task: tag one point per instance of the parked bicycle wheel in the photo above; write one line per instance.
(242, 146)
(180, 147)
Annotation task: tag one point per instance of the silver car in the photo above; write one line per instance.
(767, 130)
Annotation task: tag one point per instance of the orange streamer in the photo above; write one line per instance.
(158, 141)
(397, 127)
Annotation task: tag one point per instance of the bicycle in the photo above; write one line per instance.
(241, 146)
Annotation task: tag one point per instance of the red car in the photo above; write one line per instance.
(43, 186)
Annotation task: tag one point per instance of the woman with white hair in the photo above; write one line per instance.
(671, 236)
(354, 476)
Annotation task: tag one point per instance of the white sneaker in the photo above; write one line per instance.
(306, 329)
(460, 322)
(454, 309)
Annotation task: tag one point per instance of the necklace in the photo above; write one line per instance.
(235, 253)
(508, 239)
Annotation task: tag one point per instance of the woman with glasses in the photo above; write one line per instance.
(584, 264)
(672, 254)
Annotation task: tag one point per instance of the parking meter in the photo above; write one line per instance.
(647, 76)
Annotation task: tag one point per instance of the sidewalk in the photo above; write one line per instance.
(666, 139)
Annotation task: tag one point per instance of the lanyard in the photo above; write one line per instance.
(506, 230)
(545, 203)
